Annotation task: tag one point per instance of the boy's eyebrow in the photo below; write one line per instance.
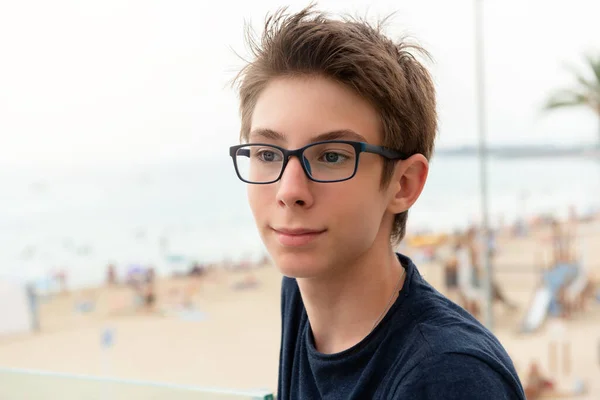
(340, 134)
(267, 134)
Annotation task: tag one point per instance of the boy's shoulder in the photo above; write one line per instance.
(447, 350)
(455, 376)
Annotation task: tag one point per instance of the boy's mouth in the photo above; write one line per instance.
(296, 237)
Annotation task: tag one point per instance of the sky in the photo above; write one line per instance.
(118, 81)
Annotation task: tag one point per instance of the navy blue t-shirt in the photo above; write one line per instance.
(426, 347)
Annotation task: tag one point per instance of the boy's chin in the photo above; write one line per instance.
(299, 266)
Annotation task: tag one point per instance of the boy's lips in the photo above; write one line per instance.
(296, 237)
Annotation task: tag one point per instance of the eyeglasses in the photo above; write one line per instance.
(329, 161)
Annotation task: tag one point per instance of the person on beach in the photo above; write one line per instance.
(111, 275)
(451, 271)
(561, 243)
(476, 274)
(146, 291)
(467, 276)
(498, 293)
(338, 123)
(537, 383)
(448, 255)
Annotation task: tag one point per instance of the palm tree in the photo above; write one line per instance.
(585, 93)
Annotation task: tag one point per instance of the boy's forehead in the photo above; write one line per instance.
(306, 110)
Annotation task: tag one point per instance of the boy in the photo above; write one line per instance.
(338, 124)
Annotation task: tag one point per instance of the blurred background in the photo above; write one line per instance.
(128, 251)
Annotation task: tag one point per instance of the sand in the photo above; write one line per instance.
(234, 343)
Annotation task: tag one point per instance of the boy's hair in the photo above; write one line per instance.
(356, 54)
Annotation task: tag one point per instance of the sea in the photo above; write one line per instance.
(170, 214)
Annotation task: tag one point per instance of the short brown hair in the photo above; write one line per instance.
(358, 55)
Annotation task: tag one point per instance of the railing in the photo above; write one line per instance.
(41, 385)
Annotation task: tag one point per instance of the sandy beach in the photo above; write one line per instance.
(231, 337)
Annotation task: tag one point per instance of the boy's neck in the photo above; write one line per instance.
(343, 309)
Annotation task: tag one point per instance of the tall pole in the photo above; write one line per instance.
(483, 155)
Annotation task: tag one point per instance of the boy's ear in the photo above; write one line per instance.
(407, 183)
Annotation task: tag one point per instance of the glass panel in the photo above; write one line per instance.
(39, 385)
(259, 164)
(330, 161)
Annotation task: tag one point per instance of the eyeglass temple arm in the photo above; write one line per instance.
(387, 153)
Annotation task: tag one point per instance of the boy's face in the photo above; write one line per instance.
(310, 228)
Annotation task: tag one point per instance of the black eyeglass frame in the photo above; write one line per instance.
(359, 147)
